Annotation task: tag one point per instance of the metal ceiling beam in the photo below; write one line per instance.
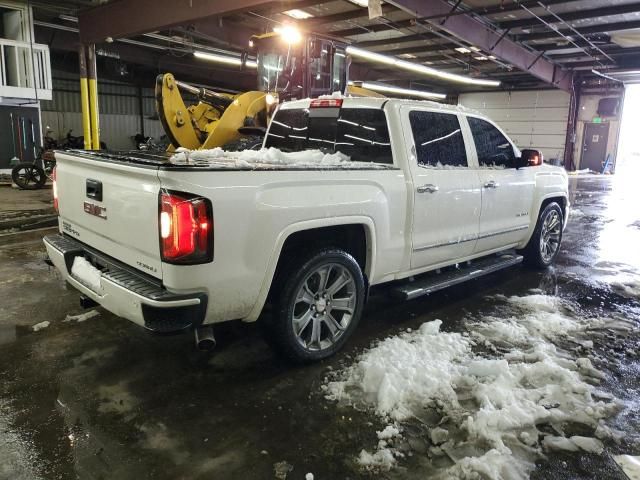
(474, 32)
(375, 27)
(342, 16)
(481, 11)
(570, 16)
(600, 28)
(393, 40)
(126, 18)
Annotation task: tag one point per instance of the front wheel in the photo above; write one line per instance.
(319, 305)
(28, 176)
(544, 245)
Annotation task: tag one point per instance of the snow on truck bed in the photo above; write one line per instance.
(268, 158)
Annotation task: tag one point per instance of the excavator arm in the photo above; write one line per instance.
(216, 120)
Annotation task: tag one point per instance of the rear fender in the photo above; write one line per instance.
(367, 222)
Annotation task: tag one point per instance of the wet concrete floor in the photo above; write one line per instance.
(102, 399)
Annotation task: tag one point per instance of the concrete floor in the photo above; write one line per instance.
(102, 399)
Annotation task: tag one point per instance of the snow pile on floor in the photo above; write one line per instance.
(491, 388)
(628, 287)
(40, 326)
(266, 157)
(86, 273)
(83, 317)
(575, 213)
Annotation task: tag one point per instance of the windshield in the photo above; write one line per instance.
(279, 71)
(360, 133)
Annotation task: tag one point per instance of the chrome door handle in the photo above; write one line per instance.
(491, 184)
(428, 188)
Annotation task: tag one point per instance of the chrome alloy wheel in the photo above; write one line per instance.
(324, 306)
(550, 236)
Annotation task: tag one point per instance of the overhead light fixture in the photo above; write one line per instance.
(226, 59)
(407, 55)
(360, 3)
(462, 50)
(289, 33)
(415, 67)
(481, 58)
(298, 14)
(399, 91)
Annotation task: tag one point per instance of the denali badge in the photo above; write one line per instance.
(97, 210)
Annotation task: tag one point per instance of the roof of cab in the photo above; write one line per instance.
(377, 102)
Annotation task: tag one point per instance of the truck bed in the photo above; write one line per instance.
(231, 161)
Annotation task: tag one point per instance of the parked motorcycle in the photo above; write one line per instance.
(34, 175)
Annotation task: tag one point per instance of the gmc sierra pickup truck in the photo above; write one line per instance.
(345, 194)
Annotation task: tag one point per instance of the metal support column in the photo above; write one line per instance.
(84, 97)
(93, 97)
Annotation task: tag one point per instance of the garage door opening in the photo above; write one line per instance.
(629, 148)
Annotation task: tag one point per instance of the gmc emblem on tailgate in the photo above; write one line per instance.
(97, 210)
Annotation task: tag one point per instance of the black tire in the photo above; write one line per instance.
(28, 176)
(535, 253)
(333, 324)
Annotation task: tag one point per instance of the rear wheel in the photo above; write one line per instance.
(28, 176)
(319, 305)
(544, 245)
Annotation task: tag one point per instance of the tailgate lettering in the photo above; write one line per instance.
(97, 210)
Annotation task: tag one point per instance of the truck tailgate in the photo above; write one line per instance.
(112, 207)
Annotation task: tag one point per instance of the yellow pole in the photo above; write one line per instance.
(93, 98)
(84, 98)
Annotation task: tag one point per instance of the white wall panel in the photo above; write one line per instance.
(533, 119)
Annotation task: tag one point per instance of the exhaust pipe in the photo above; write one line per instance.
(205, 340)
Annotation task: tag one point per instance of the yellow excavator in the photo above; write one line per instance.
(287, 67)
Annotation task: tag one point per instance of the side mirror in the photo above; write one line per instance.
(529, 158)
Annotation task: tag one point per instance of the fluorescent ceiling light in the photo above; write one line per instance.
(68, 18)
(466, 50)
(298, 14)
(226, 59)
(399, 91)
(360, 3)
(421, 69)
(481, 57)
(407, 55)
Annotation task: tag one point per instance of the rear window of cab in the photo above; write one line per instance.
(360, 133)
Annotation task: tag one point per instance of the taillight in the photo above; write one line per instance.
(55, 189)
(326, 103)
(186, 228)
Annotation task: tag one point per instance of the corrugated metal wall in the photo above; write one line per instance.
(119, 111)
(533, 119)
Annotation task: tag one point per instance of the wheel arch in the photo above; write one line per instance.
(355, 235)
(559, 198)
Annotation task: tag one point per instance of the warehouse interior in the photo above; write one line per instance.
(518, 374)
(551, 61)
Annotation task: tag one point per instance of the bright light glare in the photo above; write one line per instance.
(298, 14)
(270, 99)
(214, 57)
(289, 33)
(165, 225)
(400, 91)
(415, 67)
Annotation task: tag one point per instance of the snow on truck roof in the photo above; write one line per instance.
(378, 102)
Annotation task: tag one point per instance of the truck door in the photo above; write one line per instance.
(507, 192)
(447, 198)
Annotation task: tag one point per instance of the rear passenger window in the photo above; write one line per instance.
(438, 139)
(492, 146)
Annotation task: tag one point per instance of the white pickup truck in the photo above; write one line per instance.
(376, 190)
